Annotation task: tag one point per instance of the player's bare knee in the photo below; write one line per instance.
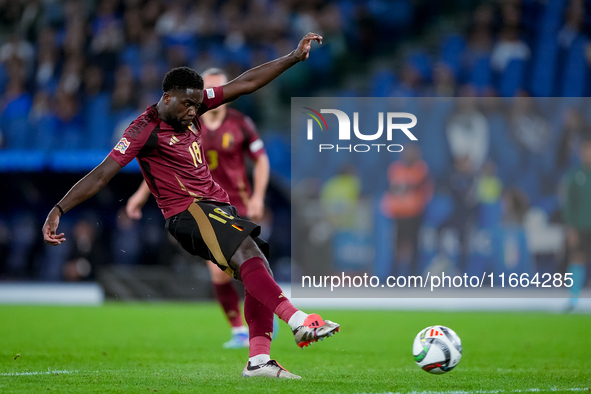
(246, 251)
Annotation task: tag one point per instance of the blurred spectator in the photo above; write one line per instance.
(468, 133)
(489, 189)
(532, 135)
(66, 124)
(463, 188)
(508, 47)
(10, 15)
(577, 219)
(17, 47)
(339, 198)
(410, 190)
(14, 113)
(528, 127)
(444, 81)
(515, 206)
(39, 117)
(126, 242)
(411, 80)
(573, 24)
(479, 36)
(489, 184)
(46, 75)
(24, 236)
(124, 99)
(97, 109)
(87, 252)
(575, 129)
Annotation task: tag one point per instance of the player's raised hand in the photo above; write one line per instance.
(303, 50)
(50, 227)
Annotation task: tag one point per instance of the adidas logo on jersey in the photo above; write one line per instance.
(173, 140)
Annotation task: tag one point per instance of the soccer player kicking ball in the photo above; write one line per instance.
(166, 139)
(228, 136)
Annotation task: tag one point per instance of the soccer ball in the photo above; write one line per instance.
(437, 349)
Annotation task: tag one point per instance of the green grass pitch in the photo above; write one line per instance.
(176, 348)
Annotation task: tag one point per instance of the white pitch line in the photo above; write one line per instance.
(37, 373)
(535, 390)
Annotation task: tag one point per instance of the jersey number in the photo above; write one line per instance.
(212, 159)
(219, 211)
(196, 153)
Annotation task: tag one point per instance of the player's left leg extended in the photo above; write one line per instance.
(253, 269)
(228, 298)
(256, 276)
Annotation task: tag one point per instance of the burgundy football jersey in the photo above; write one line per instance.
(172, 162)
(225, 149)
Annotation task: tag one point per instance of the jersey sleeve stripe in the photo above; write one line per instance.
(256, 145)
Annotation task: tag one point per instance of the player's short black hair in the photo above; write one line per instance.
(182, 78)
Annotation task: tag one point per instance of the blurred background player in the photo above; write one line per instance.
(228, 136)
(410, 190)
(577, 219)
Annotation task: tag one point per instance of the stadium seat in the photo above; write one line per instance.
(382, 83)
(98, 126)
(452, 48)
(552, 16)
(481, 74)
(575, 70)
(511, 80)
(543, 73)
(13, 122)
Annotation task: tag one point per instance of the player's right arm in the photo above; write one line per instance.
(87, 187)
(136, 202)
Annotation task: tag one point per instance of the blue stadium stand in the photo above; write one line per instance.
(353, 251)
(574, 82)
(383, 240)
(14, 122)
(15, 160)
(543, 77)
(481, 74)
(510, 253)
(452, 48)
(383, 83)
(512, 78)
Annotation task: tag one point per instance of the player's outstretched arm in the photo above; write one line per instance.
(136, 202)
(260, 177)
(87, 187)
(258, 77)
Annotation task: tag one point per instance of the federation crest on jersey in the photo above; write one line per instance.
(122, 145)
(227, 140)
